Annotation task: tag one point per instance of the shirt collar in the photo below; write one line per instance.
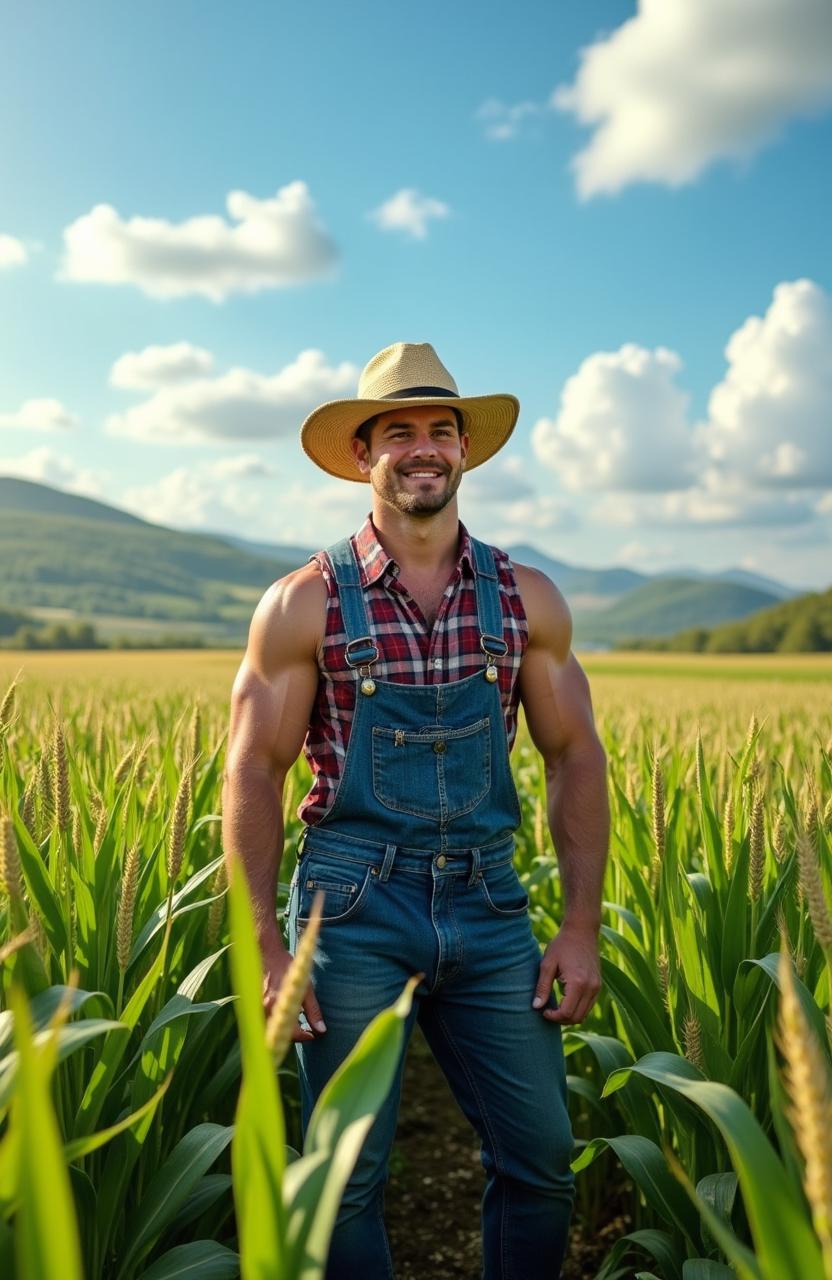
(374, 562)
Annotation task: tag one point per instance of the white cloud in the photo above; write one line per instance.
(267, 244)
(238, 405)
(501, 479)
(409, 211)
(315, 514)
(770, 418)
(760, 458)
(39, 415)
(502, 121)
(622, 424)
(716, 500)
(499, 501)
(12, 252)
(633, 554)
(207, 495)
(243, 466)
(45, 466)
(682, 84)
(160, 366)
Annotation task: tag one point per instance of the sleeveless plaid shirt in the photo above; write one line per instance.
(408, 651)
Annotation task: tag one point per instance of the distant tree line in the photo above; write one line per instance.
(20, 631)
(802, 625)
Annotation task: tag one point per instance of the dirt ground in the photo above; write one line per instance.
(436, 1183)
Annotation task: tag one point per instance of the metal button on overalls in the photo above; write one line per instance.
(439, 746)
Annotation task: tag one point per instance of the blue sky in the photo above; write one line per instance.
(617, 212)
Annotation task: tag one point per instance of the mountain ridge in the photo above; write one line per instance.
(57, 558)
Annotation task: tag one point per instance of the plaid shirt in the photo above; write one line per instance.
(408, 652)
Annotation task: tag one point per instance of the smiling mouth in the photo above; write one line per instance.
(424, 475)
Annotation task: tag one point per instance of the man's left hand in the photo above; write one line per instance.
(572, 958)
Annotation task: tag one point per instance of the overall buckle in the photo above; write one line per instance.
(361, 653)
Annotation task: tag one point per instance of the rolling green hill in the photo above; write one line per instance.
(65, 558)
(78, 558)
(662, 606)
(800, 625)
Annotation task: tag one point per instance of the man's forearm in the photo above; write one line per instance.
(252, 834)
(579, 819)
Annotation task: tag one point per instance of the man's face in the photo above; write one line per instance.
(415, 459)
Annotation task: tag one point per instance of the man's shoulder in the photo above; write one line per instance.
(549, 616)
(291, 614)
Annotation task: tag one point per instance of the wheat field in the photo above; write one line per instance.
(148, 1118)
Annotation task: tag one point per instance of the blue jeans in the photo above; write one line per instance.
(462, 920)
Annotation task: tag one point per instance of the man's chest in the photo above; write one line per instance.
(430, 596)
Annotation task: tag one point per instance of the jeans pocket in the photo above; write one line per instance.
(345, 888)
(502, 890)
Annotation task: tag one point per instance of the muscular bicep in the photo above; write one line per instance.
(553, 687)
(273, 693)
(556, 700)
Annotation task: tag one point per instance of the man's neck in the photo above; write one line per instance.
(420, 545)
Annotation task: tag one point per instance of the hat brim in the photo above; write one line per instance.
(327, 433)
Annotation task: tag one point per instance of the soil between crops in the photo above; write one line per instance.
(432, 1205)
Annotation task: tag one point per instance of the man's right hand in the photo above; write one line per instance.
(276, 960)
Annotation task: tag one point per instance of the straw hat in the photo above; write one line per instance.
(404, 375)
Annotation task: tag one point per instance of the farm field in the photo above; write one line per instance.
(699, 1084)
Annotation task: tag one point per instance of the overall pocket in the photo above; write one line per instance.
(345, 885)
(433, 772)
(502, 890)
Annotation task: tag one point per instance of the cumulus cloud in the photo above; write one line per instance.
(315, 514)
(503, 478)
(160, 366)
(409, 211)
(769, 418)
(715, 500)
(238, 405)
(266, 244)
(622, 424)
(39, 415)
(12, 252)
(503, 121)
(680, 85)
(46, 466)
(760, 458)
(208, 495)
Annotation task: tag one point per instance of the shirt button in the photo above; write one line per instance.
(439, 746)
(437, 662)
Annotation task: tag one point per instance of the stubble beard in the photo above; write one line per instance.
(419, 505)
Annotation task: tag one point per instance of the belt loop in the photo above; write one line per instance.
(387, 865)
(475, 867)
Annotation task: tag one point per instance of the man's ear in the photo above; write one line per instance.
(463, 445)
(361, 455)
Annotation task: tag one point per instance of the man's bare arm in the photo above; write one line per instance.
(271, 701)
(556, 699)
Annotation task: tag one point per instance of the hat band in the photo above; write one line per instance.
(420, 391)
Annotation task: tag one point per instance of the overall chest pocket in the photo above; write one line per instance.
(437, 773)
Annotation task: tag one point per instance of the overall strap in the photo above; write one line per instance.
(489, 611)
(361, 649)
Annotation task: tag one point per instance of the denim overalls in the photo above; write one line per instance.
(415, 860)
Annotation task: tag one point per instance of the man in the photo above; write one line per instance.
(396, 660)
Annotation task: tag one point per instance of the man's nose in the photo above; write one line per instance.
(424, 445)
